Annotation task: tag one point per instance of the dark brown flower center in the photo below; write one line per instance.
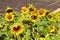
(9, 16)
(31, 9)
(47, 13)
(41, 12)
(10, 10)
(16, 28)
(26, 21)
(24, 10)
(34, 17)
(51, 28)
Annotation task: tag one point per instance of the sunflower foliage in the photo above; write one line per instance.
(29, 24)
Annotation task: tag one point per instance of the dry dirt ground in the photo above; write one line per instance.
(17, 4)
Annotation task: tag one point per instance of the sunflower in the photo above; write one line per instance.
(41, 12)
(52, 29)
(9, 16)
(24, 10)
(57, 16)
(34, 17)
(9, 10)
(32, 9)
(16, 29)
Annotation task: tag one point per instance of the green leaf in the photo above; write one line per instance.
(57, 37)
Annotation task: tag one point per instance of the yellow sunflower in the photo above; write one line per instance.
(34, 17)
(41, 12)
(32, 9)
(24, 10)
(16, 29)
(52, 29)
(57, 16)
(9, 16)
(9, 10)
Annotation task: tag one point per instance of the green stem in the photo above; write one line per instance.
(15, 37)
(57, 23)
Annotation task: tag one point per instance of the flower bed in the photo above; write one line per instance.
(30, 24)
